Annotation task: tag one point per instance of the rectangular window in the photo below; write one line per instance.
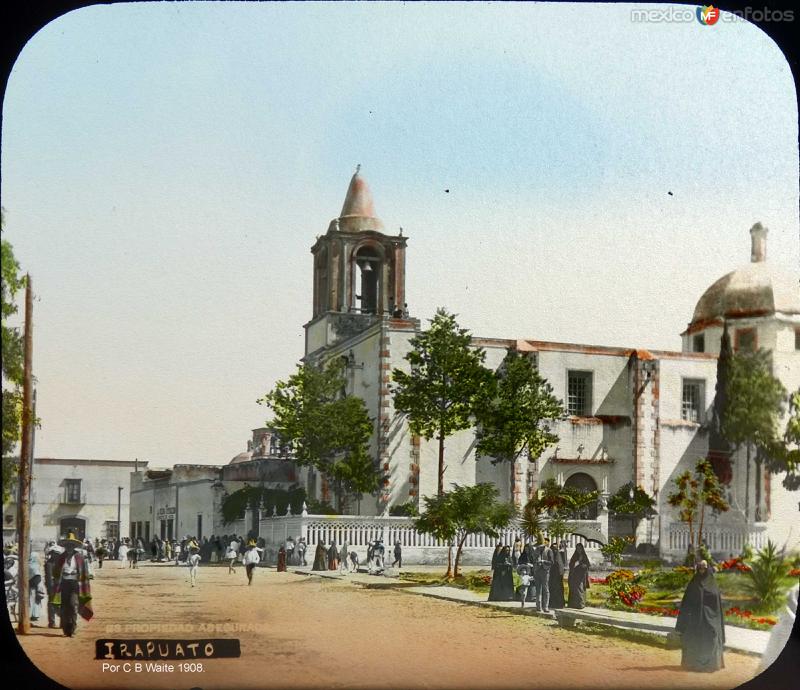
(693, 400)
(579, 393)
(72, 491)
(112, 529)
(699, 344)
(745, 340)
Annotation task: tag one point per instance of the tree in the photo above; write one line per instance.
(694, 493)
(12, 368)
(328, 430)
(755, 403)
(553, 509)
(785, 456)
(438, 521)
(463, 511)
(446, 379)
(632, 501)
(517, 412)
(719, 448)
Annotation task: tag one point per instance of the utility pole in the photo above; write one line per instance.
(119, 514)
(25, 461)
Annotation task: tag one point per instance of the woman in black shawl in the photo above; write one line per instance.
(502, 580)
(333, 557)
(578, 578)
(700, 622)
(557, 578)
(281, 559)
(320, 558)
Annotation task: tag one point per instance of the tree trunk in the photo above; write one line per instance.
(449, 573)
(700, 527)
(441, 463)
(759, 462)
(458, 555)
(747, 487)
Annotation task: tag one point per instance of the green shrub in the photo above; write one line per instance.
(764, 583)
(316, 507)
(613, 550)
(408, 509)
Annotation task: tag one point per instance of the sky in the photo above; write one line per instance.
(562, 172)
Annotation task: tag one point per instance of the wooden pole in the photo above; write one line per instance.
(25, 461)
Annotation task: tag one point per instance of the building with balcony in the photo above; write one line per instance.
(73, 495)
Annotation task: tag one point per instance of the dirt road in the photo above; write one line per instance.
(298, 631)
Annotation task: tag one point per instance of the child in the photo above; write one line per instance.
(525, 578)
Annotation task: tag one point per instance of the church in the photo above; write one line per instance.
(632, 414)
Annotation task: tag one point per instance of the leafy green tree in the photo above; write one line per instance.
(463, 511)
(554, 508)
(328, 430)
(755, 403)
(518, 412)
(694, 493)
(785, 456)
(446, 379)
(719, 447)
(438, 520)
(632, 501)
(12, 367)
(236, 503)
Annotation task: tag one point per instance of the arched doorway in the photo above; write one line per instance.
(72, 524)
(585, 484)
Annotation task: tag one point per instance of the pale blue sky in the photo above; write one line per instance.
(167, 166)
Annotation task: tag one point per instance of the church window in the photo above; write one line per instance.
(699, 344)
(579, 393)
(745, 340)
(368, 264)
(692, 401)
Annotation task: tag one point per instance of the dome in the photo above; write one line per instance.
(358, 210)
(757, 289)
(245, 456)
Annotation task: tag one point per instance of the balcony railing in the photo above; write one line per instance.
(70, 498)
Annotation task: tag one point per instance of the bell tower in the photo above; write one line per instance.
(358, 269)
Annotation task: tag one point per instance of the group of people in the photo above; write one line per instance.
(541, 568)
(342, 559)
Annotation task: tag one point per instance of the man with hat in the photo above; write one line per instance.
(193, 558)
(72, 591)
(51, 554)
(251, 559)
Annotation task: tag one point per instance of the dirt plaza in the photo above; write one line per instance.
(300, 631)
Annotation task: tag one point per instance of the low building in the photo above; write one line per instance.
(88, 497)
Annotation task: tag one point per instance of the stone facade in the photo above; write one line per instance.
(73, 494)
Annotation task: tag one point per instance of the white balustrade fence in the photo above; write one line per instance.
(720, 540)
(359, 531)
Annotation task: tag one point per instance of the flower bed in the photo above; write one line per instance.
(658, 611)
(735, 565)
(625, 590)
(746, 619)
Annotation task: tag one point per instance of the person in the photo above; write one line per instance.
(516, 551)
(231, 553)
(290, 551)
(557, 571)
(136, 553)
(578, 578)
(502, 588)
(378, 552)
(700, 622)
(333, 557)
(354, 561)
(193, 560)
(343, 553)
(541, 573)
(525, 583)
(36, 590)
(320, 557)
(301, 550)
(528, 558)
(282, 559)
(252, 557)
(168, 551)
(52, 552)
(102, 552)
(123, 554)
(72, 591)
(398, 555)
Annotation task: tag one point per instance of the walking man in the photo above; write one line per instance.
(251, 559)
(398, 555)
(73, 593)
(52, 552)
(193, 560)
(541, 573)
